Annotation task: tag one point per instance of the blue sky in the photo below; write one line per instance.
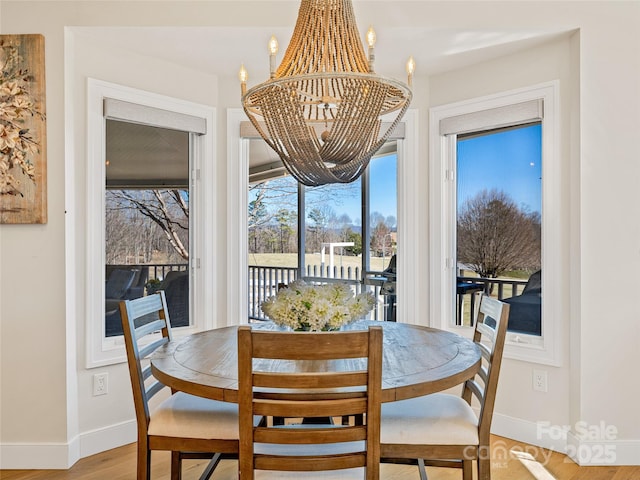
(383, 197)
(509, 160)
(384, 181)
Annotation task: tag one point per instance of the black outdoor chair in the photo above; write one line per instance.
(526, 309)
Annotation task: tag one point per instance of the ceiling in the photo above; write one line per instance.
(220, 51)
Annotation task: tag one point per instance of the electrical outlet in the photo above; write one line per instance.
(540, 380)
(100, 384)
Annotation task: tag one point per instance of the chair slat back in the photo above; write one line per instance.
(139, 347)
(325, 374)
(490, 334)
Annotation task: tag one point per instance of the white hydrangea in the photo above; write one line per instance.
(302, 306)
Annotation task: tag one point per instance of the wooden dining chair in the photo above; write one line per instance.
(328, 375)
(186, 425)
(442, 429)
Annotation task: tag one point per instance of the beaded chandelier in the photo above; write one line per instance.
(321, 110)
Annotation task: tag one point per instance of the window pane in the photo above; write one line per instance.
(499, 212)
(273, 239)
(383, 223)
(146, 219)
(383, 200)
(140, 257)
(333, 234)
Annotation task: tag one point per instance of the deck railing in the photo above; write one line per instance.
(496, 287)
(157, 271)
(160, 271)
(264, 282)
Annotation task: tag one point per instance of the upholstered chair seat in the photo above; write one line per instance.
(438, 419)
(345, 474)
(184, 415)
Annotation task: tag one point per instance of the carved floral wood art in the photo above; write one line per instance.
(23, 176)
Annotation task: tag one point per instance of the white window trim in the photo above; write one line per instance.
(409, 277)
(545, 349)
(100, 350)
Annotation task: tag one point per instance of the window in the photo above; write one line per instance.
(457, 131)
(330, 217)
(409, 241)
(498, 231)
(147, 219)
(112, 106)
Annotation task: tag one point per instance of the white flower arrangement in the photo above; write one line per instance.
(302, 306)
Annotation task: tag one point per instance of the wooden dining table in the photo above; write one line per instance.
(417, 361)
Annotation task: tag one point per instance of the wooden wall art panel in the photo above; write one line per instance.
(23, 165)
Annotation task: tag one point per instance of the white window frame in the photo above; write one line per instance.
(409, 240)
(543, 349)
(102, 350)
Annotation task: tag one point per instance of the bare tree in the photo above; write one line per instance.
(168, 209)
(268, 200)
(258, 214)
(391, 221)
(495, 236)
(344, 220)
(380, 238)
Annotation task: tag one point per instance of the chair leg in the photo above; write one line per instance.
(144, 464)
(211, 466)
(176, 466)
(484, 469)
(422, 469)
(467, 469)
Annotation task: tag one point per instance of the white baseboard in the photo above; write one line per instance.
(61, 456)
(602, 452)
(583, 452)
(50, 456)
(527, 432)
(107, 438)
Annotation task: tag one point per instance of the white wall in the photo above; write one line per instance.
(609, 223)
(49, 419)
(122, 67)
(517, 406)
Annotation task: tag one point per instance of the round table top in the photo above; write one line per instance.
(416, 361)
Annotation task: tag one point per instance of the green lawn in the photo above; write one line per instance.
(291, 260)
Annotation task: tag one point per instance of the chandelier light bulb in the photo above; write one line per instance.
(243, 76)
(273, 45)
(273, 49)
(411, 67)
(371, 41)
(371, 37)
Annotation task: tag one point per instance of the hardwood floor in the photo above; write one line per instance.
(120, 464)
